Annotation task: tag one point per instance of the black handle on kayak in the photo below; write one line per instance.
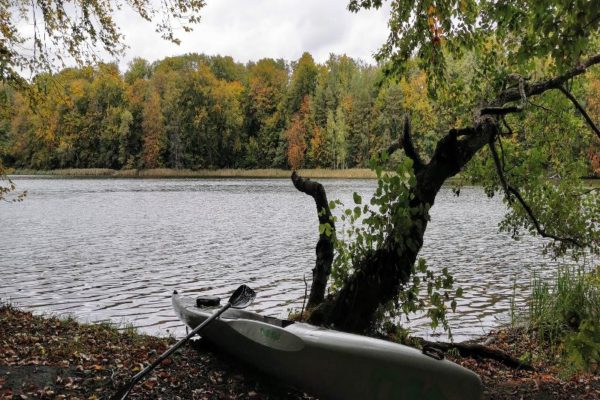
(241, 298)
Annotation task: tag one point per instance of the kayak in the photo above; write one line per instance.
(328, 363)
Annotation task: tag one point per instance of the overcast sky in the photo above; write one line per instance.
(254, 29)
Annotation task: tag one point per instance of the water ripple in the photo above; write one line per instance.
(116, 249)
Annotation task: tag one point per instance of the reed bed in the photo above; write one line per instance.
(355, 173)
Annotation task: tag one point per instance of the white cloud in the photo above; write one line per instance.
(254, 29)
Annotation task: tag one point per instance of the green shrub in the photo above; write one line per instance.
(565, 314)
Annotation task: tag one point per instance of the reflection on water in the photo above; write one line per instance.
(116, 249)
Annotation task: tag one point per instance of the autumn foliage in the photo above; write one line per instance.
(593, 104)
(297, 135)
(197, 111)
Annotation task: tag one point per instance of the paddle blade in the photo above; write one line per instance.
(242, 297)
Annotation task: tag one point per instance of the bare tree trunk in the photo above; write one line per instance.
(324, 249)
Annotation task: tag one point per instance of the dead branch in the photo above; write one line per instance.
(409, 146)
(324, 249)
(405, 142)
(581, 110)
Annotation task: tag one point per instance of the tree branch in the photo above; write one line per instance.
(501, 110)
(510, 190)
(514, 94)
(324, 249)
(405, 142)
(409, 146)
(509, 130)
(580, 108)
(451, 154)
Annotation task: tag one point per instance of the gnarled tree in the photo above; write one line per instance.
(517, 51)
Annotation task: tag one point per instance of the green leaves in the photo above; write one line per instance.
(440, 32)
(387, 219)
(325, 229)
(76, 31)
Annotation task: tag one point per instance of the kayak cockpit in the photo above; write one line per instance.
(207, 302)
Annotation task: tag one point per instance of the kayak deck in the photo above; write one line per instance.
(331, 364)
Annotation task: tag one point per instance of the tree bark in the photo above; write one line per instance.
(380, 274)
(324, 249)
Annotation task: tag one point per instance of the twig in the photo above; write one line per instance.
(508, 189)
(581, 110)
(505, 123)
(305, 294)
(542, 107)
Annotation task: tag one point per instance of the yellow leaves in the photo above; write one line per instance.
(433, 22)
(78, 88)
(414, 91)
(153, 130)
(593, 98)
(296, 135)
(267, 81)
(296, 143)
(316, 141)
(347, 103)
(226, 97)
(137, 92)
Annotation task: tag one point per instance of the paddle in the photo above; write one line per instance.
(241, 298)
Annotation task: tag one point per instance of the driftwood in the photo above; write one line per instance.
(476, 350)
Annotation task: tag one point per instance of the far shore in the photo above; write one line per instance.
(226, 173)
(354, 173)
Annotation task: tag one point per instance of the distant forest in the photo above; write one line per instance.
(196, 111)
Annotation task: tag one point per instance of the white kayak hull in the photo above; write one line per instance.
(332, 364)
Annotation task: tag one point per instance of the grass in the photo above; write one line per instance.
(354, 173)
(564, 318)
(104, 328)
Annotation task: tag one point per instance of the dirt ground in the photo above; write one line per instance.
(51, 358)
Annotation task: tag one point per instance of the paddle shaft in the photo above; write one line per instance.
(166, 354)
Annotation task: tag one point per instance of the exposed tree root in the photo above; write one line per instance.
(478, 351)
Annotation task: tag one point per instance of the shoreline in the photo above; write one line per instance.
(159, 173)
(226, 173)
(49, 357)
(43, 356)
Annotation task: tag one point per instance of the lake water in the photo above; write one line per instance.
(115, 249)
